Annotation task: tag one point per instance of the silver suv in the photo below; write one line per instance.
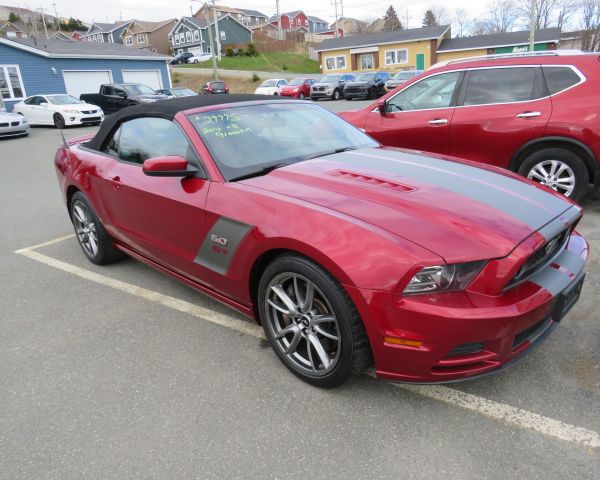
(330, 86)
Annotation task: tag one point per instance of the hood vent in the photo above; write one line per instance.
(373, 181)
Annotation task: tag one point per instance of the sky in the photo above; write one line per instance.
(111, 10)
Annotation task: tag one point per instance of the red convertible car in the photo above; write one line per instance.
(346, 252)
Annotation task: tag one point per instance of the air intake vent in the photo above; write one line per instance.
(376, 182)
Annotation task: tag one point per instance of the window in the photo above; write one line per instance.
(176, 37)
(181, 37)
(394, 57)
(128, 41)
(501, 85)
(222, 34)
(35, 101)
(335, 63)
(11, 83)
(143, 138)
(188, 36)
(140, 38)
(431, 92)
(196, 35)
(560, 78)
(366, 61)
(171, 40)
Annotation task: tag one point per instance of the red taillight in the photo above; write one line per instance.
(209, 88)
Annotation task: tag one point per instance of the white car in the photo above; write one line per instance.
(271, 86)
(200, 57)
(59, 110)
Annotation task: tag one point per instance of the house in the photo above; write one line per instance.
(350, 26)
(264, 28)
(413, 48)
(504, 42)
(153, 36)
(30, 66)
(316, 24)
(60, 36)
(13, 30)
(77, 35)
(242, 15)
(105, 32)
(290, 21)
(190, 34)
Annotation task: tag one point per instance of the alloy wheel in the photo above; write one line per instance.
(302, 324)
(555, 174)
(85, 228)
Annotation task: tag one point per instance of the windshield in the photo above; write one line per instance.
(182, 92)
(138, 89)
(404, 75)
(217, 84)
(330, 79)
(269, 83)
(245, 140)
(297, 81)
(365, 77)
(62, 99)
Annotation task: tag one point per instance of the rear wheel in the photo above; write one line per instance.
(311, 323)
(59, 121)
(336, 94)
(96, 244)
(560, 169)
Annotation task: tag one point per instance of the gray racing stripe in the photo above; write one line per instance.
(554, 280)
(517, 199)
(220, 244)
(556, 226)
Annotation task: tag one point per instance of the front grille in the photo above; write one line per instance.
(88, 112)
(15, 124)
(466, 349)
(90, 119)
(319, 89)
(531, 334)
(542, 257)
(3, 125)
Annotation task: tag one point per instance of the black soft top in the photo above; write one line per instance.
(168, 109)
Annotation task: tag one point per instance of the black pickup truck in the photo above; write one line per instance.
(113, 97)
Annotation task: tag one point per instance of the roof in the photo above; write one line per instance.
(312, 18)
(15, 25)
(152, 26)
(203, 23)
(169, 108)
(252, 13)
(503, 39)
(378, 38)
(63, 49)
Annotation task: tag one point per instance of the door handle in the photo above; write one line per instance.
(529, 114)
(438, 121)
(116, 182)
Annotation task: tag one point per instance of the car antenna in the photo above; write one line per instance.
(65, 144)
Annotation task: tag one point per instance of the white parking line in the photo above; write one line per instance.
(483, 406)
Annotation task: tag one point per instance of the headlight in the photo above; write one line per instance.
(147, 100)
(444, 278)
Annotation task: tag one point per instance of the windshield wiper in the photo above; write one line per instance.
(258, 173)
(337, 150)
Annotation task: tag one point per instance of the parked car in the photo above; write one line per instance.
(535, 114)
(298, 88)
(181, 58)
(366, 85)
(330, 86)
(346, 252)
(400, 78)
(13, 125)
(199, 58)
(59, 110)
(114, 97)
(176, 92)
(214, 87)
(271, 86)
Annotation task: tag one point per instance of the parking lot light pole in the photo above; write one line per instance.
(532, 26)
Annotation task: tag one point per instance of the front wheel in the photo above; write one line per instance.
(372, 94)
(96, 244)
(59, 121)
(311, 323)
(301, 96)
(336, 94)
(560, 169)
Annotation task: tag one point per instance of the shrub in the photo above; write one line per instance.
(229, 52)
(255, 77)
(240, 51)
(251, 50)
(284, 67)
(175, 77)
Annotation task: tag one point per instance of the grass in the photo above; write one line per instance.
(266, 62)
(194, 82)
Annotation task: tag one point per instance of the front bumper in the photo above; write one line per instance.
(82, 119)
(290, 94)
(322, 94)
(356, 94)
(442, 338)
(14, 130)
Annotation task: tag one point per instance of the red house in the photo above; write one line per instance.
(296, 20)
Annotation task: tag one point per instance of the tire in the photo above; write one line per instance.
(89, 231)
(336, 94)
(324, 343)
(372, 94)
(59, 121)
(301, 96)
(314, 99)
(573, 178)
(276, 94)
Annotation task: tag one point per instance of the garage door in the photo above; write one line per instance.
(78, 82)
(151, 78)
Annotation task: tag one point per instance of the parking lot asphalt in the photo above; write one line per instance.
(121, 372)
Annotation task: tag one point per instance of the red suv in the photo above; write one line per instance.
(535, 114)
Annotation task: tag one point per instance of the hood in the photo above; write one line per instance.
(455, 209)
(359, 83)
(325, 84)
(291, 87)
(10, 117)
(150, 96)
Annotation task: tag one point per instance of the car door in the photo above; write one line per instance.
(26, 109)
(114, 98)
(500, 109)
(45, 112)
(161, 218)
(37, 111)
(418, 117)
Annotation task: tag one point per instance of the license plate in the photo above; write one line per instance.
(567, 298)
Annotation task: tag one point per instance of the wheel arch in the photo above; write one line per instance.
(71, 190)
(575, 146)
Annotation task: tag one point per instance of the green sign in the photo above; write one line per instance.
(522, 48)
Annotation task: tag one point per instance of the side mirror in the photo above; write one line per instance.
(382, 108)
(171, 166)
(121, 94)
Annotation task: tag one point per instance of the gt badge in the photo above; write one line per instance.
(220, 240)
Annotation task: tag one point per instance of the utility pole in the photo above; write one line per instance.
(335, 4)
(44, 22)
(56, 16)
(210, 40)
(217, 33)
(279, 32)
(532, 26)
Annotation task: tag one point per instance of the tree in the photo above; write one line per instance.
(72, 25)
(429, 19)
(590, 24)
(13, 17)
(503, 15)
(391, 20)
(461, 19)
